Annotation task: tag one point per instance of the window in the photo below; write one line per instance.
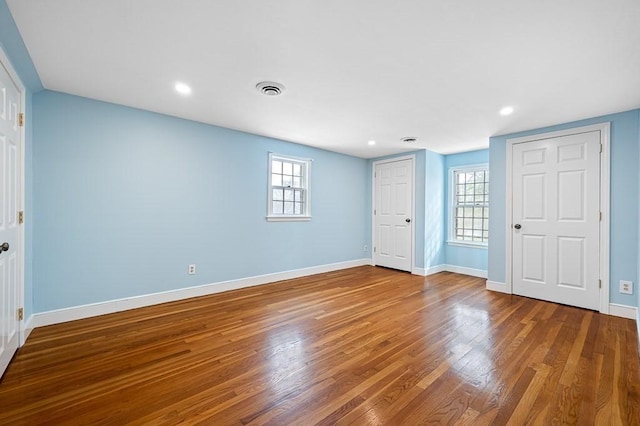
(288, 198)
(469, 201)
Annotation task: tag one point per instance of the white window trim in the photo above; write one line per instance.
(307, 177)
(451, 240)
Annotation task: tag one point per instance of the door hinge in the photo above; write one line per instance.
(599, 283)
(600, 148)
(374, 249)
(600, 216)
(20, 314)
(375, 174)
(375, 211)
(21, 119)
(20, 217)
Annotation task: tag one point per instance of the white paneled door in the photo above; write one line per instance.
(10, 193)
(393, 211)
(556, 219)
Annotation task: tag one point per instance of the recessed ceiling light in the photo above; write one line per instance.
(506, 110)
(371, 143)
(182, 88)
(270, 88)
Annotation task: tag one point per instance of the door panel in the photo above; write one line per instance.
(393, 207)
(556, 201)
(9, 228)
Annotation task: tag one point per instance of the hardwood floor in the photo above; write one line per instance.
(361, 346)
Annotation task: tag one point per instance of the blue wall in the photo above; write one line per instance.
(434, 234)
(126, 199)
(468, 257)
(624, 200)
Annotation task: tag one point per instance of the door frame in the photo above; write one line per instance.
(4, 60)
(605, 131)
(411, 157)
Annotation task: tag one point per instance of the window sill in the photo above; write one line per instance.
(484, 246)
(288, 218)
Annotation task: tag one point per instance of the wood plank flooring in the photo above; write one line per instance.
(360, 346)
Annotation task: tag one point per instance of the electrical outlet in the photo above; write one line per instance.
(366, 248)
(626, 287)
(192, 269)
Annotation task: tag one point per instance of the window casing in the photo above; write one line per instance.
(469, 205)
(289, 190)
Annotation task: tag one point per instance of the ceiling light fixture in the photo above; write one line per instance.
(409, 139)
(506, 110)
(182, 88)
(270, 88)
(371, 143)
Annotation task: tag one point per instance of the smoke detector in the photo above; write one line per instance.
(270, 88)
(409, 140)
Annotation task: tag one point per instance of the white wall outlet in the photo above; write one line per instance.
(192, 269)
(366, 248)
(626, 287)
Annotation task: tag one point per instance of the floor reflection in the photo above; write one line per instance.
(473, 361)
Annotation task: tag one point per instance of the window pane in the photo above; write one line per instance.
(468, 189)
(288, 207)
(471, 189)
(289, 186)
(277, 207)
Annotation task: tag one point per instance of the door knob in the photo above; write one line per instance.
(4, 247)
(408, 220)
(517, 226)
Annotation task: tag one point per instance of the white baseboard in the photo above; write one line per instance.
(497, 286)
(622, 311)
(435, 269)
(638, 326)
(449, 268)
(118, 305)
(481, 273)
(419, 271)
(29, 325)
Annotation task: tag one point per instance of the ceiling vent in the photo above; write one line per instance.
(270, 88)
(409, 140)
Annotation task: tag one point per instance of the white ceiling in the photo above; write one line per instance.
(354, 71)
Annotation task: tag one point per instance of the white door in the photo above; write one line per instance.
(392, 214)
(556, 215)
(10, 191)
